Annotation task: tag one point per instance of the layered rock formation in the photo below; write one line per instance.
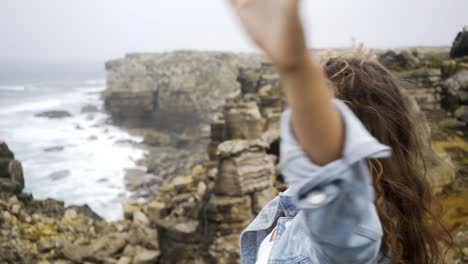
(208, 177)
(200, 214)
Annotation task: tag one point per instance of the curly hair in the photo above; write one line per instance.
(403, 192)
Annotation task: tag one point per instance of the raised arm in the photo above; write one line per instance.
(275, 26)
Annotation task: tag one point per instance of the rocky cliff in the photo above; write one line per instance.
(207, 179)
(172, 90)
(201, 212)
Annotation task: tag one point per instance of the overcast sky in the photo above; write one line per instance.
(97, 30)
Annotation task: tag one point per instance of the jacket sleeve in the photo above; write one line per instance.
(336, 201)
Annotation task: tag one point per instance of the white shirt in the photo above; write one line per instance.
(265, 247)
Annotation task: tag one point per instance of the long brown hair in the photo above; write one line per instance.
(403, 192)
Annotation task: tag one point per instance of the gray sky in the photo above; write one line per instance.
(97, 30)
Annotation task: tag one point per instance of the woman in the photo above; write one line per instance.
(351, 152)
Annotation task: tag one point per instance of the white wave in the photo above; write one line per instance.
(33, 106)
(95, 82)
(13, 88)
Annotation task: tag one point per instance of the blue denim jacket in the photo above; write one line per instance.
(334, 219)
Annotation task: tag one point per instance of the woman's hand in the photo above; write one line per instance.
(275, 26)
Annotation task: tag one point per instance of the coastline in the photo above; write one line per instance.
(196, 200)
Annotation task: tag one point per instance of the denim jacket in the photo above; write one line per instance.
(334, 219)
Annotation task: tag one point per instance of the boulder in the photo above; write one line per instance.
(399, 59)
(143, 235)
(226, 209)
(455, 89)
(54, 114)
(462, 113)
(103, 247)
(243, 121)
(460, 44)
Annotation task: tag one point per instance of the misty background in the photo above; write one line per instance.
(52, 55)
(85, 33)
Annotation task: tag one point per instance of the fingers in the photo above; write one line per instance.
(362, 52)
(238, 3)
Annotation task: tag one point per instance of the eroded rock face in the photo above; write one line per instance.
(172, 89)
(11, 171)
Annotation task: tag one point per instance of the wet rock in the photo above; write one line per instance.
(460, 44)
(89, 109)
(54, 114)
(54, 149)
(58, 175)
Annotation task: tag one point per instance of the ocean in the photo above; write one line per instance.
(80, 159)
